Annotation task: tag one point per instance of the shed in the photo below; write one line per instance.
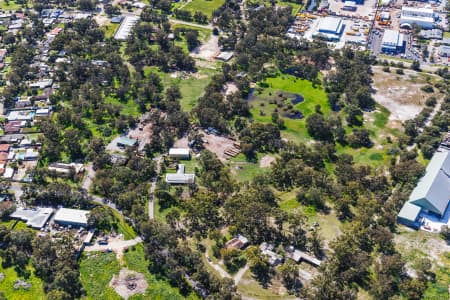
(179, 153)
(409, 215)
(35, 218)
(124, 141)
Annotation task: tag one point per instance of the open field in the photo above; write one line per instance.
(245, 170)
(97, 270)
(36, 292)
(288, 87)
(205, 6)
(414, 245)
(251, 289)
(192, 85)
(401, 94)
(157, 289)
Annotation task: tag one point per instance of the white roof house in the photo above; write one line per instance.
(72, 217)
(180, 177)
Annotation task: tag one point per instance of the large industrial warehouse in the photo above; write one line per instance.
(423, 17)
(330, 28)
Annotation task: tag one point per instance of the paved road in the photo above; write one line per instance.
(175, 21)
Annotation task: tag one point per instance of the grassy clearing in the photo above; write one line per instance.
(110, 29)
(203, 33)
(97, 270)
(245, 170)
(157, 289)
(380, 132)
(36, 292)
(129, 108)
(250, 288)
(9, 5)
(123, 227)
(439, 288)
(205, 6)
(261, 109)
(191, 86)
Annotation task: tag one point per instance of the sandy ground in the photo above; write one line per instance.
(181, 143)
(208, 50)
(429, 243)
(144, 136)
(266, 161)
(121, 283)
(217, 144)
(402, 97)
(116, 245)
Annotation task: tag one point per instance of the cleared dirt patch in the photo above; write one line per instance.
(129, 283)
(218, 145)
(400, 94)
(208, 50)
(266, 161)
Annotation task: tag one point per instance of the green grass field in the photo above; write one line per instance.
(36, 292)
(97, 270)
(295, 128)
(245, 170)
(205, 6)
(110, 29)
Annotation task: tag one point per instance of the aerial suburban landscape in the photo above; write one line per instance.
(224, 149)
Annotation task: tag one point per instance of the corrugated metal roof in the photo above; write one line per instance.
(409, 212)
(433, 190)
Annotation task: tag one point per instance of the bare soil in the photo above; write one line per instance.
(266, 161)
(400, 94)
(129, 283)
(208, 50)
(218, 144)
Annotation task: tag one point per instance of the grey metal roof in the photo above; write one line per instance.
(433, 190)
(409, 212)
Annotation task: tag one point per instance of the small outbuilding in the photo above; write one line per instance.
(126, 142)
(179, 153)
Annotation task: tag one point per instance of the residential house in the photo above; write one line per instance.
(237, 242)
(180, 177)
(272, 257)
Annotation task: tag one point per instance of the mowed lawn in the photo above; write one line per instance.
(204, 6)
(261, 109)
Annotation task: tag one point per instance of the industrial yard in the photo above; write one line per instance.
(409, 30)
